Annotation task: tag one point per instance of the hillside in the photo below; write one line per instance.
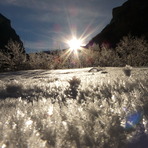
(7, 33)
(130, 18)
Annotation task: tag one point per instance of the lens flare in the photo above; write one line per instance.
(133, 119)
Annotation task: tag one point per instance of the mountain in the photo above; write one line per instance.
(7, 33)
(130, 18)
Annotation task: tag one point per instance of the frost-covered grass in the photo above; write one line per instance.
(74, 109)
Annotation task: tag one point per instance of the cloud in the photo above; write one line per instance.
(51, 30)
(42, 45)
(57, 5)
(35, 4)
(36, 45)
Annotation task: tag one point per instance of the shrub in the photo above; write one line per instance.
(127, 70)
(133, 51)
(72, 91)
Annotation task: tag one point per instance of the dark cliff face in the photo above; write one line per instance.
(7, 33)
(130, 18)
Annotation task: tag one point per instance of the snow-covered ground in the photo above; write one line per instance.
(32, 74)
(74, 108)
(93, 77)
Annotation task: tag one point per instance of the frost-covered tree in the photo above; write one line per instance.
(133, 51)
(13, 56)
(40, 61)
(108, 57)
(95, 47)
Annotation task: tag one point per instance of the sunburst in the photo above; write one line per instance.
(75, 44)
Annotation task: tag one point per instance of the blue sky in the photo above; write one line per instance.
(45, 24)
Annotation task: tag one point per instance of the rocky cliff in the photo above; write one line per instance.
(7, 33)
(130, 18)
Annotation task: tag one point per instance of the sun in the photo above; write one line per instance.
(75, 44)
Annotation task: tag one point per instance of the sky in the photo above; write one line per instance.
(49, 24)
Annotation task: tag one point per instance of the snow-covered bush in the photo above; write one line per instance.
(133, 51)
(113, 113)
(72, 90)
(13, 57)
(127, 70)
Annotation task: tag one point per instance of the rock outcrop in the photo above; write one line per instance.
(7, 33)
(130, 18)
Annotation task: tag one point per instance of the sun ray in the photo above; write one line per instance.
(86, 29)
(76, 44)
(66, 55)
